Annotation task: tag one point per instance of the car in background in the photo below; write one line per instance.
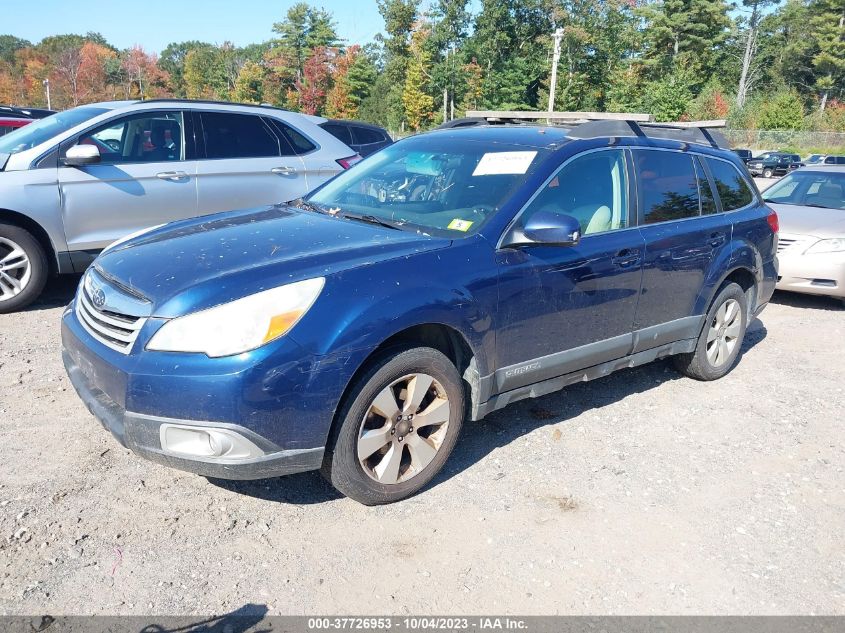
(74, 182)
(774, 164)
(364, 138)
(744, 154)
(444, 277)
(10, 124)
(810, 203)
(25, 113)
(825, 159)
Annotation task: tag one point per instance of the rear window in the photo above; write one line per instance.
(667, 186)
(731, 186)
(365, 135)
(296, 140)
(340, 132)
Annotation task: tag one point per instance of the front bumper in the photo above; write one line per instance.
(279, 403)
(815, 274)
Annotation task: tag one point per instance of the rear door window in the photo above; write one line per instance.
(230, 135)
(666, 185)
(731, 186)
(705, 191)
(297, 141)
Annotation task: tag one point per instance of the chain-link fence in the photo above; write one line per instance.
(796, 140)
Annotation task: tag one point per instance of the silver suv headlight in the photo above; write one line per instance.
(241, 325)
(832, 245)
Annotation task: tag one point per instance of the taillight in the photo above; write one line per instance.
(773, 221)
(347, 162)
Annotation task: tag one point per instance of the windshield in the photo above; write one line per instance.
(814, 158)
(431, 184)
(809, 188)
(44, 129)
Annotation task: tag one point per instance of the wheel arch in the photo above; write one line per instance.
(38, 232)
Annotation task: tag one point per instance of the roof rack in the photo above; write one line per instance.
(697, 132)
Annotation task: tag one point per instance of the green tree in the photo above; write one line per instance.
(669, 98)
(204, 74)
(782, 111)
(304, 29)
(249, 86)
(828, 26)
(9, 45)
(172, 60)
(415, 98)
(399, 19)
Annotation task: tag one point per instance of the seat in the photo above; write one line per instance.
(602, 220)
(829, 195)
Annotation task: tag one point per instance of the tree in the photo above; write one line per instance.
(341, 102)
(249, 86)
(204, 75)
(399, 19)
(783, 111)
(316, 80)
(143, 73)
(302, 31)
(747, 74)
(172, 61)
(828, 25)
(9, 45)
(416, 100)
(669, 98)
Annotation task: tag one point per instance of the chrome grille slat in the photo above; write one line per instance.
(115, 331)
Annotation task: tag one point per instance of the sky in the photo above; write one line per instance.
(155, 23)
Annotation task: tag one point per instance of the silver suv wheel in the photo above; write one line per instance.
(15, 269)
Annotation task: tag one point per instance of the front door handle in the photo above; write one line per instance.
(283, 171)
(626, 257)
(171, 175)
(717, 239)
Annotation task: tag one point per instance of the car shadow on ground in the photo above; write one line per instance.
(56, 294)
(479, 439)
(813, 302)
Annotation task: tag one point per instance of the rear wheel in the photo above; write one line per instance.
(23, 268)
(721, 338)
(399, 424)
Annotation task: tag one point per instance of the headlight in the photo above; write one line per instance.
(241, 325)
(833, 245)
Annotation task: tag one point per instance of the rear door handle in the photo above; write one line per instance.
(626, 257)
(171, 175)
(717, 239)
(283, 171)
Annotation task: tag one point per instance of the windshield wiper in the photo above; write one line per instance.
(374, 220)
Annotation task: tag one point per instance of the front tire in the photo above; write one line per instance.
(397, 427)
(23, 268)
(721, 337)
(767, 173)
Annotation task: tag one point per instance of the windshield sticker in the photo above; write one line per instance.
(460, 225)
(504, 163)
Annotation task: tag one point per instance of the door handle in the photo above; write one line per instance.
(171, 175)
(626, 257)
(283, 171)
(716, 239)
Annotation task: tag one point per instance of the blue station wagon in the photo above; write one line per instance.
(354, 330)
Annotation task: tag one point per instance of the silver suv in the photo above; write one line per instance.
(74, 182)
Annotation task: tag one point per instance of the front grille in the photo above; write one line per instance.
(114, 330)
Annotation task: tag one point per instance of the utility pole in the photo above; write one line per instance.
(558, 35)
(46, 83)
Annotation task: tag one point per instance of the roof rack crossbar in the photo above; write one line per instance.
(683, 132)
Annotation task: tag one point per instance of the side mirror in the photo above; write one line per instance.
(80, 155)
(545, 228)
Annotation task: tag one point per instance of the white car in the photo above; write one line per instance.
(810, 203)
(76, 181)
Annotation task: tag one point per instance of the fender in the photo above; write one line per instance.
(739, 255)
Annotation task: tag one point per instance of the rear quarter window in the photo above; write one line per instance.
(365, 136)
(731, 186)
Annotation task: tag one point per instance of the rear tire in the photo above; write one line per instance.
(23, 268)
(721, 337)
(378, 454)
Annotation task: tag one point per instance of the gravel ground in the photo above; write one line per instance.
(642, 492)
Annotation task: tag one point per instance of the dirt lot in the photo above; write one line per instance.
(642, 492)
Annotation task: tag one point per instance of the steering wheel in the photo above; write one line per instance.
(113, 143)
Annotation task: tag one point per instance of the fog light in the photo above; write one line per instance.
(206, 443)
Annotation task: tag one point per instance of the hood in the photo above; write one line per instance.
(815, 221)
(195, 264)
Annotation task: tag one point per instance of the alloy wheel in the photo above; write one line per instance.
(15, 269)
(403, 429)
(723, 335)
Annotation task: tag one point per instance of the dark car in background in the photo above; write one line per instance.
(364, 138)
(25, 113)
(450, 274)
(774, 164)
(744, 154)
